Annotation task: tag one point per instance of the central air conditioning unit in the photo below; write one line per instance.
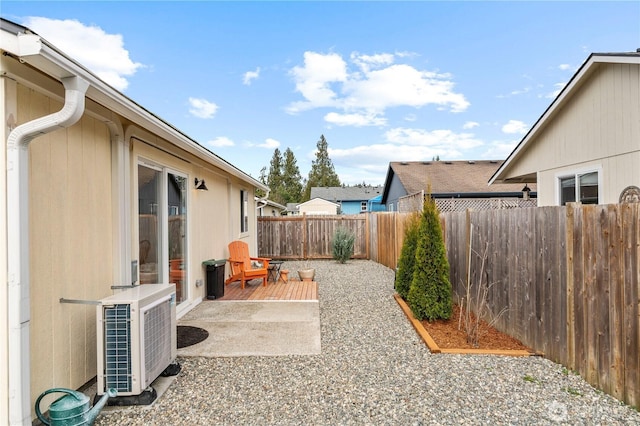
(136, 337)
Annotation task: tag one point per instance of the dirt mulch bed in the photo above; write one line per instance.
(447, 335)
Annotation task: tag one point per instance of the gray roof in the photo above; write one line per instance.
(348, 193)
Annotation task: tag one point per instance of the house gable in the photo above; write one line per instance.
(594, 124)
(317, 206)
(350, 198)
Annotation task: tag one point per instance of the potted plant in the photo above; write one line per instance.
(307, 273)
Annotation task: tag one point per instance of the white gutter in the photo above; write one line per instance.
(264, 200)
(18, 242)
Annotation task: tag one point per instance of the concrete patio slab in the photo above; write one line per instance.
(255, 328)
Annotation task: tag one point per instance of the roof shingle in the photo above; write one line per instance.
(450, 176)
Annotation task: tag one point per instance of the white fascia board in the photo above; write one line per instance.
(557, 102)
(38, 53)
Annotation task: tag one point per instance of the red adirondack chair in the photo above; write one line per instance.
(242, 268)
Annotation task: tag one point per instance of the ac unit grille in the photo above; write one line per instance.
(117, 336)
(157, 341)
(136, 337)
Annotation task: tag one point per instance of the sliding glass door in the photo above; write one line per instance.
(177, 232)
(149, 224)
(162, 227)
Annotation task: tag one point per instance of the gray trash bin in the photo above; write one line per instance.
(215, 278)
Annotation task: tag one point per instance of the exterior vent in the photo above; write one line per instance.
(136, 335)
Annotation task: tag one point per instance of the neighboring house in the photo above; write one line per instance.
(455, 185)
(318, 206)
(352, 199)
(269, 208)
(586, 146)
(99, 192)
(292, 209)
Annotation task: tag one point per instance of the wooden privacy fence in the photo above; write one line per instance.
(568, 278)
(379, 236)
(309, 237)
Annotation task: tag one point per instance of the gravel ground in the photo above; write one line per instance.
(374, 370)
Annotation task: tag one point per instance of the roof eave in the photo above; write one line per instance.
(40, 54)
(585, 70)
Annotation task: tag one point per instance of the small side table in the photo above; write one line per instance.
(273, 273)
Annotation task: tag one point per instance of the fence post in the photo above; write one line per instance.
(366, 235)
(571, 348)
(305, 238)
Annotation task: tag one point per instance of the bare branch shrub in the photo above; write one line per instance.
(473, 304)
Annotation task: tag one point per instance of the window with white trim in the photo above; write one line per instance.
(244, 211)
(363, 206)
(580, 187)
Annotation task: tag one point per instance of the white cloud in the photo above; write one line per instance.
(564, 67)
(377, 83)
(104, 54)
(356, 120)
(220, 142)
(444, 138)
(558, 88)
(515, 92)
(515, 126)
(249, 76)
(470, 125)
(269, 143)
(499, 150)
(202, 108)
(314, 79)
(400, 144)
(366, 62)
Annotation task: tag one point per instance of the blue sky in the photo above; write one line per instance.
(382, 81)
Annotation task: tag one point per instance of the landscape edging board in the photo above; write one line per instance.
(435, 349)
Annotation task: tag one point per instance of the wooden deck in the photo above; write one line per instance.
(254, 290)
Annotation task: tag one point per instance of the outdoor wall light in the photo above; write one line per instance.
(200, 185)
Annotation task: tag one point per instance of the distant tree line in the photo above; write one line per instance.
(285, 181)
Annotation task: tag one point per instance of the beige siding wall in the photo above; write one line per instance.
(72, 233)
(213, 215)
(70, 243)
(249, 237)
(617, 172)
(318, 206)
(600, 123)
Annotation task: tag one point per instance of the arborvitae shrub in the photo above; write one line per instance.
(342, 245)
(407, 259)
(430, 291)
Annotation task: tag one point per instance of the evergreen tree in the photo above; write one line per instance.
(407, 259)
(263, 178)
(274, 178)
(322, 172)
(291, 179)
(430, 291)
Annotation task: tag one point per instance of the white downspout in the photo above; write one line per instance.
(18, 299)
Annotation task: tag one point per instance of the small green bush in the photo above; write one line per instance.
(342, 244)
(430, 291)
(407, 259)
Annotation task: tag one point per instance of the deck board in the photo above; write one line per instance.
(254, 290)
